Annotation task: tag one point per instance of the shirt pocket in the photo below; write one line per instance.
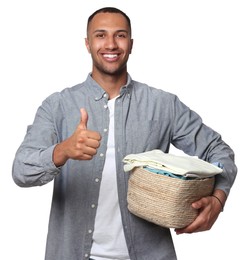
(145, 135)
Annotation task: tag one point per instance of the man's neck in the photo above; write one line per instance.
(111, 83)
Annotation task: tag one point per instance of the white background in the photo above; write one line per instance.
(195, 49)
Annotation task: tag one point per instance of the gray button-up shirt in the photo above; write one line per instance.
(145, 118)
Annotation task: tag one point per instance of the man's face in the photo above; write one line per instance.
(109, 43)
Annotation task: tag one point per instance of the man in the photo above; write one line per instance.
(79, 138)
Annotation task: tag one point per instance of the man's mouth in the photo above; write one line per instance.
(110, 56)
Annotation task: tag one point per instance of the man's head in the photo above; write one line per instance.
(109, 41)
(109, 10)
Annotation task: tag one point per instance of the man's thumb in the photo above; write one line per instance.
(84, 118)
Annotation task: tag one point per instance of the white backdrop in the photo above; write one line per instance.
(195, 49)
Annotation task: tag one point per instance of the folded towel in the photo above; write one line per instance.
(188, 166)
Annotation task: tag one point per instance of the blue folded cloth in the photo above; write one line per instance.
(166, 173)
(170, 174)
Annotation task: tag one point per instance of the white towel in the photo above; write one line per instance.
(188, 166)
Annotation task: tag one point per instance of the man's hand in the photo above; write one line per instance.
(82, 145)
(209, 209)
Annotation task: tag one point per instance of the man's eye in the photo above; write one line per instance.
(121, 35)
(100, 35)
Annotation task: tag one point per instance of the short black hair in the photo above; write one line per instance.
(109, 10)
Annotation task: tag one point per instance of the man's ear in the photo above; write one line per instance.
(131, 46)
(87, 44)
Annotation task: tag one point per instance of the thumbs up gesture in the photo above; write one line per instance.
(86, 141)
(82, 145)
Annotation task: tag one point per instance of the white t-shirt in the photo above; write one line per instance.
(108, 237)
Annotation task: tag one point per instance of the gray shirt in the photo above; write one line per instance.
(146, 118)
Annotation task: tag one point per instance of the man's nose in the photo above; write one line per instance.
(111, 43)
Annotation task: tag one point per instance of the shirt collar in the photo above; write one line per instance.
(100, 93)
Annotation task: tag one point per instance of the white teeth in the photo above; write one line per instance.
(111, 56)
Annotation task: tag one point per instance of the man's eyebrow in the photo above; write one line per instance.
(117, 31)
(99, 30)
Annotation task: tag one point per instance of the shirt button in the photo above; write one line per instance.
(89, 231)
(101, 154)
(86, 255)
(105, 130)
(97, 180)
(105, 106)
(93, 206)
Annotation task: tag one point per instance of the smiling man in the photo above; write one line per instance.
(109, 43)
(79, 138)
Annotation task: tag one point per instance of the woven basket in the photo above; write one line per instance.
(163, 200)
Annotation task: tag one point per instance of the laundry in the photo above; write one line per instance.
(166, 173)
(186, 166)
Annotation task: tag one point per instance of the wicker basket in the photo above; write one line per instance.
(163, 200)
